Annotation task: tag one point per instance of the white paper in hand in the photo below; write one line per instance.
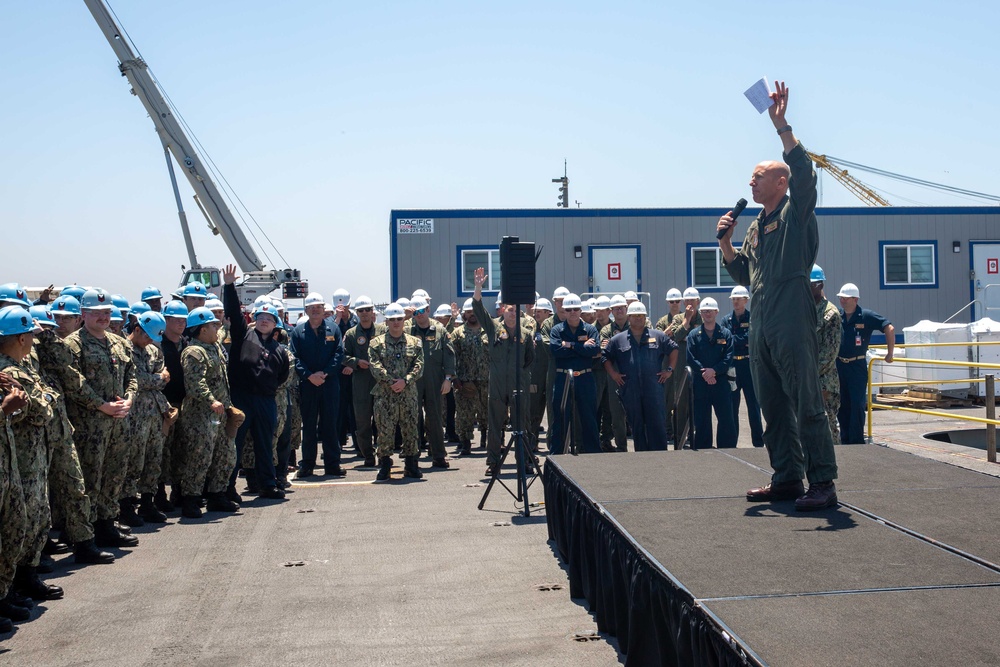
(759, 95)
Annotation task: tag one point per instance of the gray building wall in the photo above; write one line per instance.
(849, 250)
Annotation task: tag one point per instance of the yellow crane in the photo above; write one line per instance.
(862, 191)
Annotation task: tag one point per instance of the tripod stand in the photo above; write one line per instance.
(523, 457)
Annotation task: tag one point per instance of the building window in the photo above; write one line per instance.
(908, 264)
(706, 269)
(472, 259)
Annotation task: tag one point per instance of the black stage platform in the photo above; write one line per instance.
(676, 563)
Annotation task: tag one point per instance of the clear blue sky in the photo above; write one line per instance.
(324, 116)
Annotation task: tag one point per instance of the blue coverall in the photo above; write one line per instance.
(712, 350)
(319, 350)
(642, 395)
(574, 362)
(853, 371)
(739, 327)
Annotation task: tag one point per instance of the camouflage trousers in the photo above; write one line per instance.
(101, 443)
(295, 418)
(831, 401)
(172, 461)
(470, 408)
(68, 500)
(33, 468)
(209, 453)
(13, 517)
(363, 407)
(397, 410)
(146, 450)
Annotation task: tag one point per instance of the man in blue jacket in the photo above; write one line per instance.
(710, 355)
(318, 350)
(574, 347)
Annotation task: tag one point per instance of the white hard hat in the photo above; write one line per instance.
(262, 299)
(636, 308)
(586, 306)
(618, 300)
(560, 293)
(467, 306)
(341, 297)
(708, 303)
(214, 304)
(403, 302)
(499, 301)
(418, 304)
(691, 293)
(444, 310)
(673, 294)
(278, 303)
(394, 310)
(328, 306)
(312, 299)
(363, 302)
(739, 291)
(631, 296)
(422, 294)
(849, 290)
(602, 303)
(572, 301)
(543, 304)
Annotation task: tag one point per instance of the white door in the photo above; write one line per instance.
(614, 269)
(985, 280)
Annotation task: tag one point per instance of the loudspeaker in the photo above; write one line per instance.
(517, 271)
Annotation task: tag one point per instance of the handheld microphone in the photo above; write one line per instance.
(740, 205)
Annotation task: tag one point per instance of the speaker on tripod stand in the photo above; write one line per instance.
(517, 284)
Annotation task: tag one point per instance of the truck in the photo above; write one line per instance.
(257, 279)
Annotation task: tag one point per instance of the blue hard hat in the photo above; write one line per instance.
(175, 309)
(199, 316)
(817, 275)
(42, 315)
(266, 308)
(74, 291)
(116, 314)
(14, 293)
(65, 305)
(195, 288)
(119, 301)
(150, 293)
(138, 308)
(153, 324)
(96, 299)
(15, 320)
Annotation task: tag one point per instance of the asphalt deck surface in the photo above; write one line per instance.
(354, 572)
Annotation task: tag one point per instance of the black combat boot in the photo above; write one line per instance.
(106, 535)
(191, 507)
(148, 511)
(464, 447)
(46, 564)
(217, 502)
(87, 553)
(410, 468)
(53, 547)
(14, 612)
(175, 495)
(127, 515)
(27, 583)
(233, 494)
(384, 468)
(482, 440)
(161, 501)
(369, 461)
(252, 485)
(6, 625)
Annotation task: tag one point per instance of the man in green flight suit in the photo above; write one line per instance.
(774, 262)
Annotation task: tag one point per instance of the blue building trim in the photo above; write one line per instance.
(888, 211)
(458, 268)
(393, 258)
(881, 265)
(638, 261)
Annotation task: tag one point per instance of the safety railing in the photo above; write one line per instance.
(990, 420)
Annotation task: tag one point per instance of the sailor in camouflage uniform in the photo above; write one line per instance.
(680, 326)
(397, 362)
(209, 455)
(357, 365)
(539, 373)
(68, 500)
(13, 518)
(148, 411)
(472, 370)
(828, 333)
(435, 383)
(98, 410)
(30, 448)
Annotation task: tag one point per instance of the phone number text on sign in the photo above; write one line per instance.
(415, 225)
